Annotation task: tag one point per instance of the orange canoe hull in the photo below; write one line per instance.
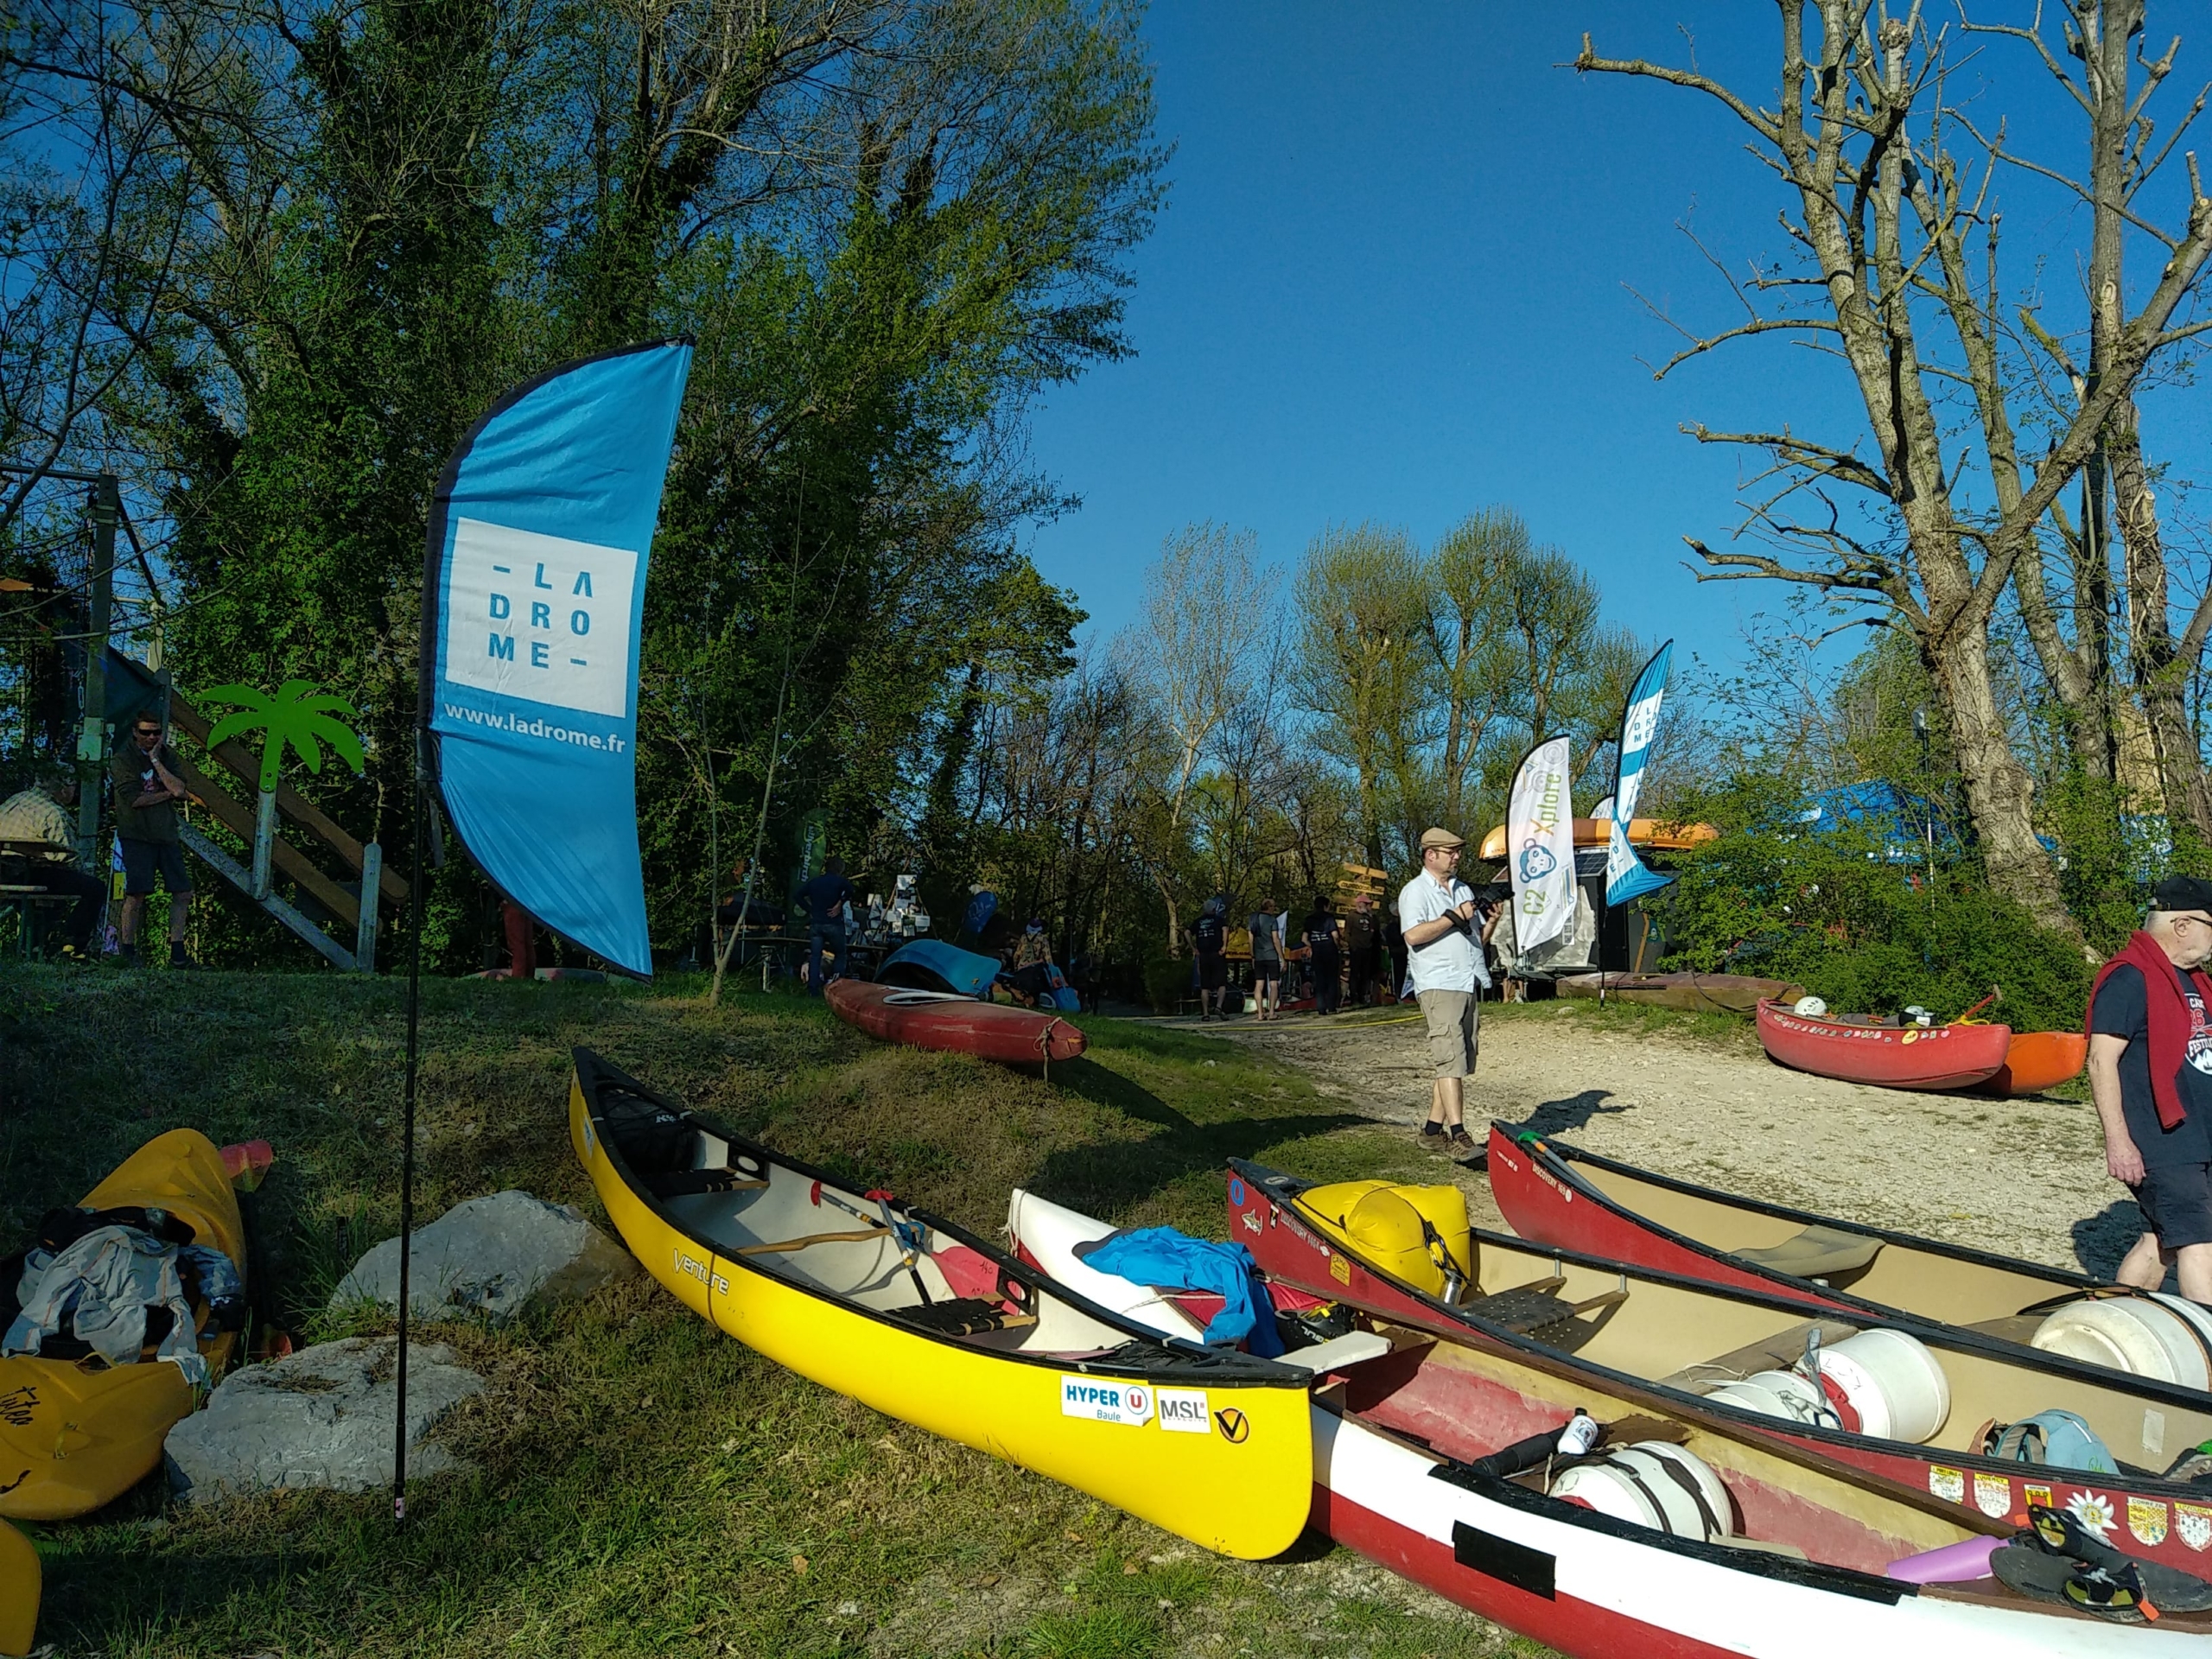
(2037, 1060)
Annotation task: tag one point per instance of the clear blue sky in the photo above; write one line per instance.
(1390, 283)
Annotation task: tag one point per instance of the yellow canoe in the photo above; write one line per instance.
(926, 1322)
(19, 1589)
(76, 1433)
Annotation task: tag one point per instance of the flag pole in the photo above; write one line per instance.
(407, 1120)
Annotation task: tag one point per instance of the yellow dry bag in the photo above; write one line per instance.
(1418, 1233)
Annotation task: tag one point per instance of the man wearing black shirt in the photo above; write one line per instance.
(829, 898)
(2158, 1141)
(1210, 940)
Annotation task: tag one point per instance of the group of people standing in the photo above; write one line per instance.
(1356, 957)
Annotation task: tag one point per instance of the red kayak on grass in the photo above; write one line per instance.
(959, 1024)
(1888, 1057)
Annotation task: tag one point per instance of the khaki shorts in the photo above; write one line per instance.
(1454, 1030)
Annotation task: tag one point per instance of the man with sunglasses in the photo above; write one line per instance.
(2151, 1076)
(147, 791)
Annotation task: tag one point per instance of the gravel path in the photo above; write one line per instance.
(2019, 1177)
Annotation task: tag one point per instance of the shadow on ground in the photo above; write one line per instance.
(2100, 1240)
(1110, 1179)
(1564, 1116)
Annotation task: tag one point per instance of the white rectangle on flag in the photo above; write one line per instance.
(540, 617)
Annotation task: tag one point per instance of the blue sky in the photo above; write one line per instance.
(1391, 283)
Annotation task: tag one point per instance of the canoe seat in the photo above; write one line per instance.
(1817, 1253)
(964, 1316)
(1338, 1353)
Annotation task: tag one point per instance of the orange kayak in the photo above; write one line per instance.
(991, 1030)
(2036, 1060)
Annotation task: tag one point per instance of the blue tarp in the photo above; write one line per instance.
(1162, 1257)
(1901, 820)
(933, 965)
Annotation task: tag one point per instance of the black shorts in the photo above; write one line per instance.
(1266, 970)
(1213, 970)
(142, 859)
(2175, 1200)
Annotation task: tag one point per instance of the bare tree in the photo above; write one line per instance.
(2102, 36)
(1204, 602)
(1891, 226)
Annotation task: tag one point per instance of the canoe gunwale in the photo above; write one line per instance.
(1731, 1420)
(1563, 1157)
(1181, 1362)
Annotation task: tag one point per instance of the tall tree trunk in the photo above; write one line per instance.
(2157, 671)
(1999, 793)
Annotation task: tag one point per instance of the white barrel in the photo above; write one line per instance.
(1776, 1394)
(1630, 1492)
(1893, 1383)
(2144, 1335)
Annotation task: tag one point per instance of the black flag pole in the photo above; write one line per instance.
(407, 1120)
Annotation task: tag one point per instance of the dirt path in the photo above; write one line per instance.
(2019, 1177)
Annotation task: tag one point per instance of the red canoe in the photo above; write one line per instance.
(991, 1030)
(2038, 1060)
(1889, 1057)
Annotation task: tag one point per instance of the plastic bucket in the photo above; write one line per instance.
(1633, 1484)
(1892, 1382)
(1776, 1394)
(2144, 1335)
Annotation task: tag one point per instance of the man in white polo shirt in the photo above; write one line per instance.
(1437, 912)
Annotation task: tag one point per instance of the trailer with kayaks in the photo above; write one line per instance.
(1656, 1530)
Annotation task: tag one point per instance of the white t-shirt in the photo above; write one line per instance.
(1454, 962)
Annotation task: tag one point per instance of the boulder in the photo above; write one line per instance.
(319, 1419)
(490, 1256)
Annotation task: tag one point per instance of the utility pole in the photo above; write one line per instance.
(91, 737)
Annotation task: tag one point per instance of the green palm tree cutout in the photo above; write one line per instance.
(296, 717)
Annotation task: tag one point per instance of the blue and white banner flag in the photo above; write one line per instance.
(533, 605)
(1540, 845)
(1628, 876)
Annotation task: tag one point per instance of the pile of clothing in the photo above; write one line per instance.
(107, 1281)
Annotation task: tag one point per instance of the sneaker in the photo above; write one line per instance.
(1432, 1135)
(1460, 1139)
(179, 957)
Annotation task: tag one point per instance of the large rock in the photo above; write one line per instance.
(321, 1418)
(490, 1256)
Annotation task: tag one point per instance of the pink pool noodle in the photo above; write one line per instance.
(1968, 1559)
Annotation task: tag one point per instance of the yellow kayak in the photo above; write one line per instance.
(19, 1588)
(927, 1322)
(77, 1433)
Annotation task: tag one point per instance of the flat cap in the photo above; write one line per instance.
(1435, 837)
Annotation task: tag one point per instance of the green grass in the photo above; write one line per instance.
(638, 1484)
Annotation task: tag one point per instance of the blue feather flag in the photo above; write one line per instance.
(533, 609)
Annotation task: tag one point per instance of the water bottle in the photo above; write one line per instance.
(1580, 1433)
